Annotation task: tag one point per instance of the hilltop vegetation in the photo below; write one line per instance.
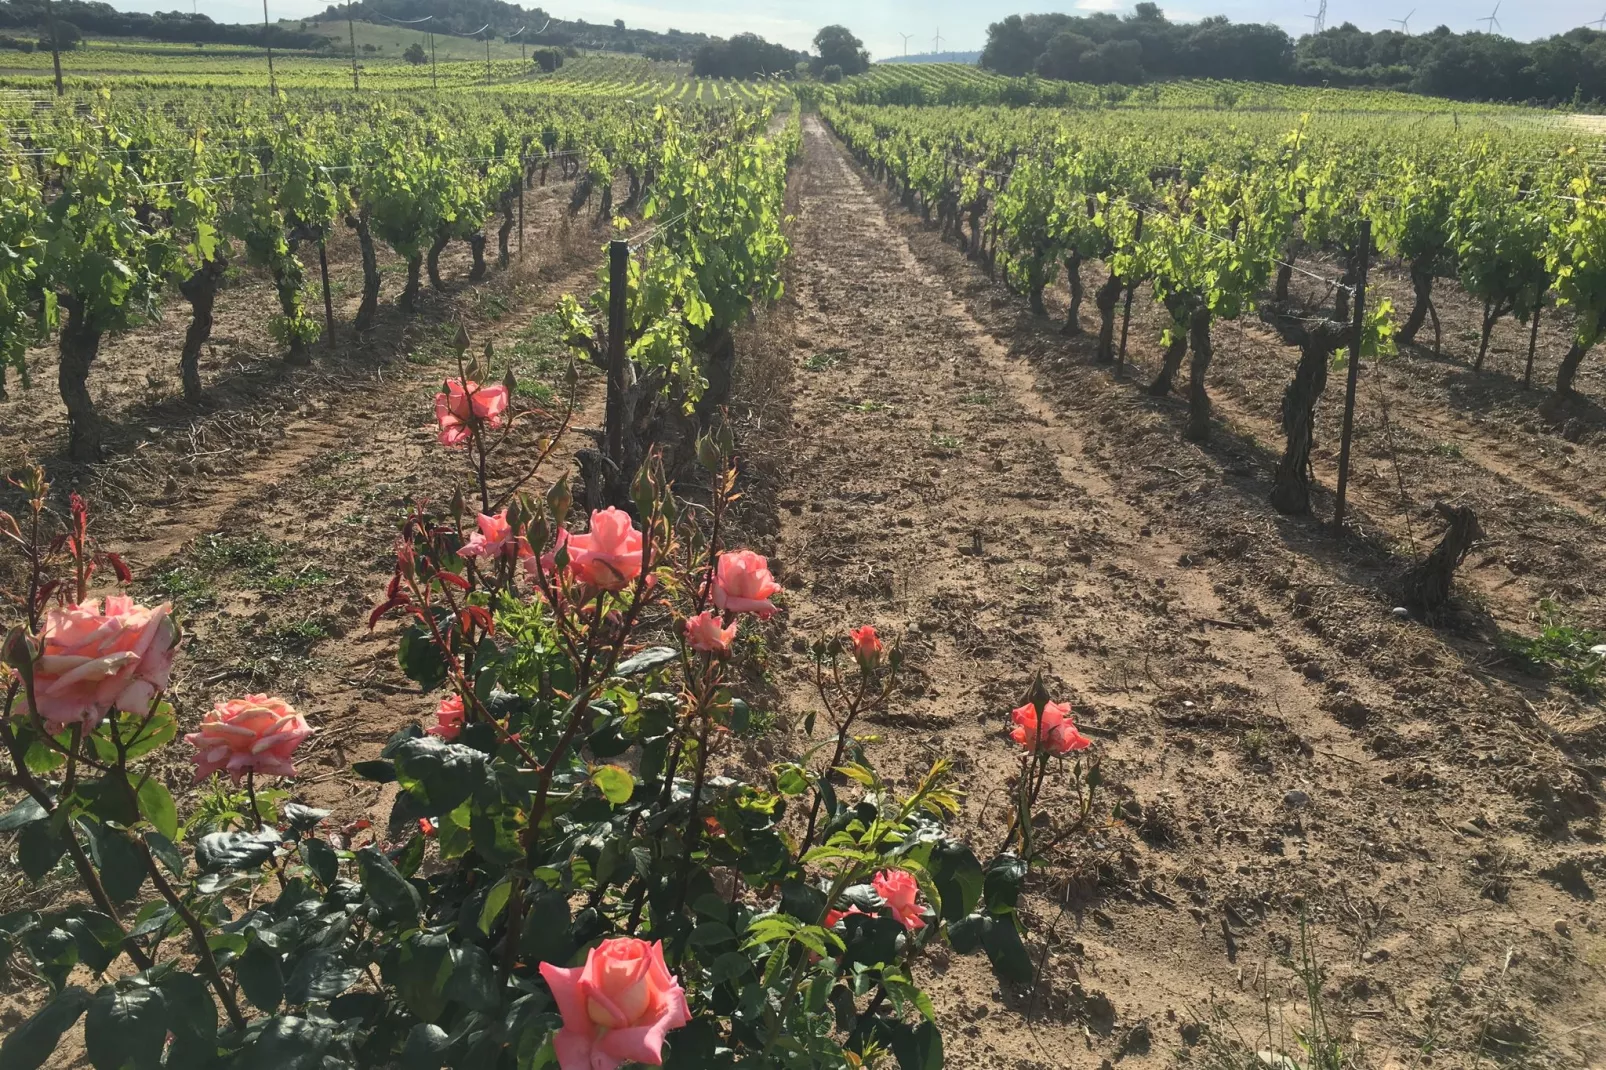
(1146, 46)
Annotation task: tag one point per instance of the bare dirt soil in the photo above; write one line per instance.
(1287, 757)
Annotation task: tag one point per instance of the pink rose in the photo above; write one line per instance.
(464, 404)
(898, 889)
(617, 1008)
(448, 718)
(1055, 732)
(866, 645)
(549, 560)
(832, 917)
(492, 539)
(254, 734)
(743, 584)
(95, 657)
(609, 555)
(704, 633)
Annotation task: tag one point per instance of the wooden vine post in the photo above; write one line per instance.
(328, 301)
(1359, 319)
(1126, 310)
(618, 281)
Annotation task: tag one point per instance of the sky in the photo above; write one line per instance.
(881, 24)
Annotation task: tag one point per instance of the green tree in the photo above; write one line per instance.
(837, 47)
(415, 54)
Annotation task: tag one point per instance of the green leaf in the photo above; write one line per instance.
(425, 1048)
(439, 775)
(919, 1048)
(646, 661)
(791, 780)
(471, 982)
(1006, 952)
(958, 877)
(260, 975)
(100, 939)
(236, 850)
(1002, 883)
(290, 1043)
(615, 783)
(380, 772)
(39, 848)
(31, 1043)
(547, 936)
(24, 813)
(156, 806)
(386, 886)
(120, 862)
(319, 977)
(420, 659)
(966, 934)
(321, 859)
(728, 967)
(165, 852)
(495, 903)
(191, 1018)
(710, 933)
(422, 969)
(126, 1023)
(302, 818)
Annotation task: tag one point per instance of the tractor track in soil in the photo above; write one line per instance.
(1006, 518)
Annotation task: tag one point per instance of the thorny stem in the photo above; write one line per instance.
(251, 793)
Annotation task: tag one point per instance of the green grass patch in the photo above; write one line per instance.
(1575, 656)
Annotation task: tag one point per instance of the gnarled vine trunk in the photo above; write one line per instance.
(1427, 585)
(1422, 285)
(434, 260)
(509, 201)
(1290, 492)
(369, 307)
(1574, 358)
(476, 246)
(1174, 352)
(719, 369)
(409, 295)
(1198, 426)
(1073, 278)
(80, 345)
(200, 290)
(1105, 300)
(1285, 275)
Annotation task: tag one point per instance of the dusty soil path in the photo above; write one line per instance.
(944, 489)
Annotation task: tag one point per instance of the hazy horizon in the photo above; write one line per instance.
(963, 25)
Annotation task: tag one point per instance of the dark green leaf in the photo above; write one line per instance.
(422, 968)
(419, 657)
(965, 935)
(236, 850)
(728, 967)
(438, 774)
(165, 852)
(1002, 883)
(121, 863)
(24, 813)
(28, 1045)
(260, 976)
(192, 1019)
(425, 1048)
(471, 982)
(386, 886)
(917, 1048)
(1006, 952)
(321, 859)
(495, 903)
(319, 976)
(290, 1043)
(547, 936)
(411, 856)
(55, 952)
(958, 877)
(39, 848)
(302, 818)
(652, 658)
(380, 772)
(100, 939)
(126, 1023)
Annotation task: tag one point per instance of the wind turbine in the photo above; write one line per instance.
(1405, 23)
(906, 37)
(1491, 24)
(1600, 23)
(936, 42)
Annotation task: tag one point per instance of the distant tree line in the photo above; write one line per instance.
(1146, 46)
(743, 56)
(102, 20)
(464, 17)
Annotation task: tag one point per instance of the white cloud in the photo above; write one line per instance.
(1100, 5)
